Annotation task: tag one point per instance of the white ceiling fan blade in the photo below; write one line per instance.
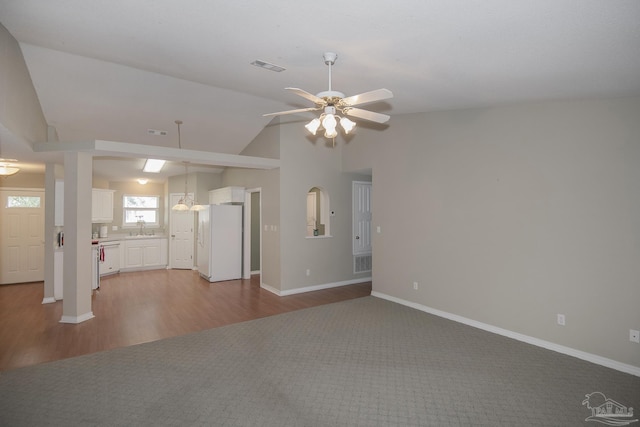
(311, 97)
(300, 110)
(366, 115)
(367, 97)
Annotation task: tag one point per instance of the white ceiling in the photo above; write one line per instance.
(112, 69)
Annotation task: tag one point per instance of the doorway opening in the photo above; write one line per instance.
(252, 254)
(318, 218)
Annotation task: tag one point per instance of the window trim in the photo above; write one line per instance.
(125, 209)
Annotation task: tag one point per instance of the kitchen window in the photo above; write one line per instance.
(140, 210)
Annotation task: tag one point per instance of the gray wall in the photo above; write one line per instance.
(308, 163)
(133, 188)
(509, 216)
(20, 111)
(287, 253)
(23, 180)
(198, 183)
(266, 144)
(204, 183)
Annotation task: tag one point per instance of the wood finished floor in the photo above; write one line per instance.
(139, 307)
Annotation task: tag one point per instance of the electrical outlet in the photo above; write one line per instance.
(415, 285)
(634, 336)
(561, 320)
(308, 272)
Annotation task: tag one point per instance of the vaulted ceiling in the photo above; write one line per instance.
(113, 69)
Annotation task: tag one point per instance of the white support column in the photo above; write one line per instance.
(49, 232)
(246, 244)
(78, 171)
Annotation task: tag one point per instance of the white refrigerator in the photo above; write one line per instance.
(220, 242)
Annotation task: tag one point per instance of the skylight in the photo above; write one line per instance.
(153, 165)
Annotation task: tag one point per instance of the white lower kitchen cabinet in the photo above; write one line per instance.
(144, 254)
(111, 262)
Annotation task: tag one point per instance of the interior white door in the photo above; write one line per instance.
(21, 236)
(182, 236)
(311, 213)
(361, 217)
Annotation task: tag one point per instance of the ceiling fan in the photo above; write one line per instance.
(332, 101)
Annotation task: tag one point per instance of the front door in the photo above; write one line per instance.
(181, 227)
(21, 236)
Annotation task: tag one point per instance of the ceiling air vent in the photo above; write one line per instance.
(156, 132)
(267, 66)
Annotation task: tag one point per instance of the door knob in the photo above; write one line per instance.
(173, 235)
(357, 237)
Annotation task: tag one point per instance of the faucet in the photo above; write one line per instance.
(141, 224)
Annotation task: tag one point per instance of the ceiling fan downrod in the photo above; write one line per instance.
(330, 59)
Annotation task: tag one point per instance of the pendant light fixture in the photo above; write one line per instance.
(182, 203)
(7, 167)
(185, 203)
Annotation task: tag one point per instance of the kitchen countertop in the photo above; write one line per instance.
(117, 238)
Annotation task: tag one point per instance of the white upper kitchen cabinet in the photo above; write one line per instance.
(102, 205)
(226, 195)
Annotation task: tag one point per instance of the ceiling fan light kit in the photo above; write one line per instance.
(313, 126)
(347, 125)
(331, 102)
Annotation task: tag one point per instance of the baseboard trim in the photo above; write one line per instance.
(589, 357)
(77, 319)
(313, 288)
(48, 300)
(270, 289)
(151, 267)
(256, 272)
